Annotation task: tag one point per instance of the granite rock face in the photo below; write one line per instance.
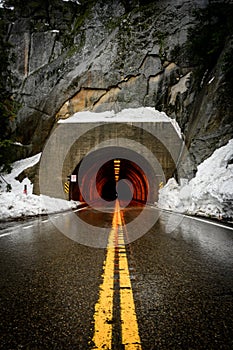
(104, 55)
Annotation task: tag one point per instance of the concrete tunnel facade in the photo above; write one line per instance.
(148, 152)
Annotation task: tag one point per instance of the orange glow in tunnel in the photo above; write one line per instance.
(128, 177)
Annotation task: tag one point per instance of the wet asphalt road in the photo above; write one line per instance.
(181, 273)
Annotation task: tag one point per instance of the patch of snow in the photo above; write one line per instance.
(18, 167)
(77, 2)
(17, 204)
(18, 144)
(4, 6)
(209, 193)
(128, 115)
(147, 114)
(210, 81)
(169, 196)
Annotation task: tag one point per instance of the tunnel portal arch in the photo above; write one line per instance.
(155, 139)
(136, 178)
(94, 136)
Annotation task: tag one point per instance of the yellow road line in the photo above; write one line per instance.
(129, 325)
(104, 308)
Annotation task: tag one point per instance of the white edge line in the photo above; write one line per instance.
(19, 226)
(209, 222)
(6, 234)
(195, 218)
(26, 227)
(13, 232)
(78, 209)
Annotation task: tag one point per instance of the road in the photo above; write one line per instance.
(170, 289)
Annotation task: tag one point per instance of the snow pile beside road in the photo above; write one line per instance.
(209, 193)
(174, 197)
(16, 204)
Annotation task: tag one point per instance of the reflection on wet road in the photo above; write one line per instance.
(177, 277)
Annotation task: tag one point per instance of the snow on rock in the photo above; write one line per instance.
(17, 168)
(142, 114)
(130, 115)
(209, 193)
(17, 204)
(73, 1)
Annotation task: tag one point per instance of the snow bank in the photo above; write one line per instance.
(16, 204)
(209, 193)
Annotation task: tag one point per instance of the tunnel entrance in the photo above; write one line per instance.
(123, 179)
(107, 176)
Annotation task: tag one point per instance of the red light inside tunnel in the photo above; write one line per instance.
(103, 178)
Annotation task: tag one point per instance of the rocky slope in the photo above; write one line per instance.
(175, 56)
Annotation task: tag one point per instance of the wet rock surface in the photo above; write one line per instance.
(101, 55)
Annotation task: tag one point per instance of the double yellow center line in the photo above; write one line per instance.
(103, 317)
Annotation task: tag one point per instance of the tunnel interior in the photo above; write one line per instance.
(122, 179)
(113, 172)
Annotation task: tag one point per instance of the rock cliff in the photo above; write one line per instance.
(175, 56)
